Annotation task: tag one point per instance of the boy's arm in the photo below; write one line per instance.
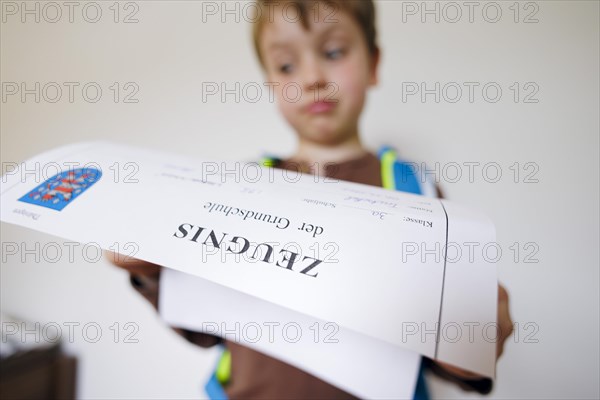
(145, 278)
(465, 379)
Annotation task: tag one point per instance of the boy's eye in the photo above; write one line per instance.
(334, 54)
(285, 68)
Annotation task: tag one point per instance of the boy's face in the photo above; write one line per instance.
(322, 73)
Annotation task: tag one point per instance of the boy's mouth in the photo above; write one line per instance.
(320, 107)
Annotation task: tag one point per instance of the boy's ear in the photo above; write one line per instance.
(375, 67)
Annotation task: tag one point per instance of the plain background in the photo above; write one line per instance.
(170, 52)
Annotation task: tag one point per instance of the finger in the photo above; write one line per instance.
(133, 265)
(458, 372)
(502, 294)
(505, 323)
(147, 287)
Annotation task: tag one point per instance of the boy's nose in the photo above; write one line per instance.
(313, 76)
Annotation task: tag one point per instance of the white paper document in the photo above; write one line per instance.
(349, 282)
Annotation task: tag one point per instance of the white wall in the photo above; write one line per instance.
(170, 52)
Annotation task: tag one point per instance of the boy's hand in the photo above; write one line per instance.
(144, 276)
(133, 265)
(505, 327)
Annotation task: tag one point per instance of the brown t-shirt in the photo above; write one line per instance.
(255, 375)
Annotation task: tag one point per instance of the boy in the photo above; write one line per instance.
(328, 50)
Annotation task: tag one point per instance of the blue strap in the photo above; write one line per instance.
(421, 391)
(214, 390)
(397, 174)
(406, 179)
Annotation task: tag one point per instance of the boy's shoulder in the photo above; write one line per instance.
(396, 173)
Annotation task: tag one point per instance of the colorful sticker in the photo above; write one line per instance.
(60, 190)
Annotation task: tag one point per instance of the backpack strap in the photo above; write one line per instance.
(410, 177)
(223, 371)
(387, 157)
(269, 161)
(220, 377)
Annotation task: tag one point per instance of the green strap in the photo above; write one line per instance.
(268, 162)
(388, 159)
(223, 371)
